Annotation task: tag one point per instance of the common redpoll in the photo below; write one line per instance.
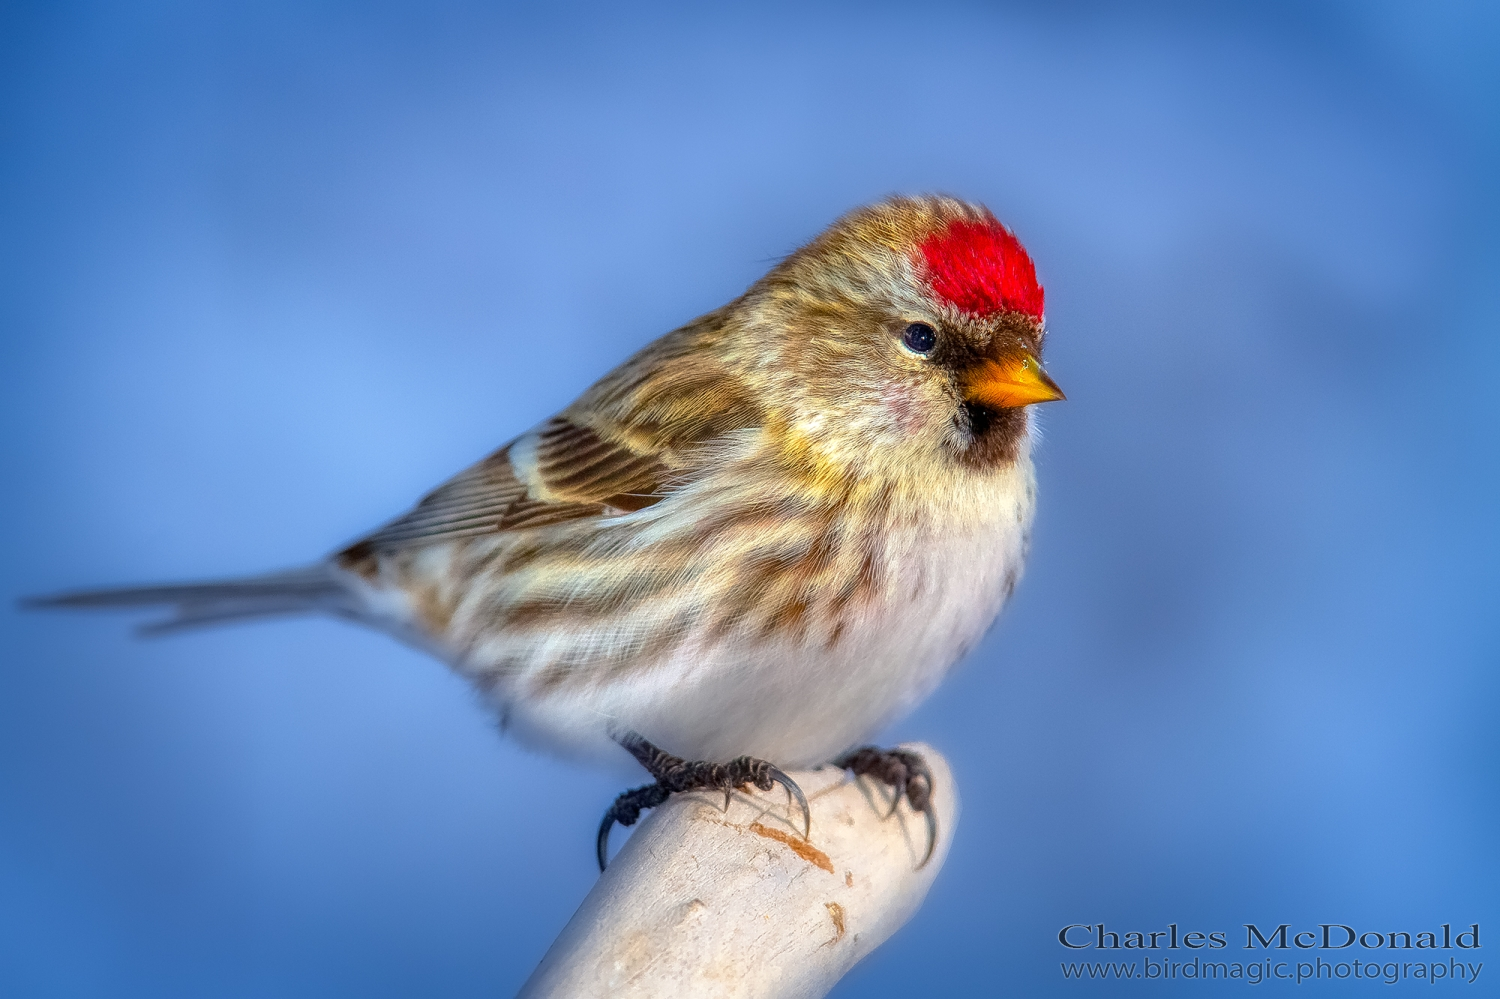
(753, 544)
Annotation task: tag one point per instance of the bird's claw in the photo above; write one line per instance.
(626, 810)
(675, 774)
(931, 836)
(905, 773)
(794, 793)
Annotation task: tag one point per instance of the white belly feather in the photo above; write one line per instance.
(796, 700)
(800, 703)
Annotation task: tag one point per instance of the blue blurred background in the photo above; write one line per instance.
(269, 271)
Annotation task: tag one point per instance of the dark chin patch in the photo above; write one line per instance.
(994, 435)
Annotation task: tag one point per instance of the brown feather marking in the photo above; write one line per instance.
(587, 476)
(360, 558)
(563, 673)
(473, 502)
(549, 609)
(539, 513)
(674, 394)
(431, 607)
(574, 463)
(630, 502)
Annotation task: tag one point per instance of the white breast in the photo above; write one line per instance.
(802, 701)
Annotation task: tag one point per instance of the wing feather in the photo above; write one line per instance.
(625, 445)
(576, 473)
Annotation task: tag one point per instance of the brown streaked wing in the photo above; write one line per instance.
(574, 464)
(578, 473)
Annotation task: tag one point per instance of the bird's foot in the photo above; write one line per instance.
(904, 772)
(674, 774)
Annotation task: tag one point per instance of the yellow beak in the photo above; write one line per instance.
(1016, 381)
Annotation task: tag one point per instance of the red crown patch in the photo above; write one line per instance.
(981, 268)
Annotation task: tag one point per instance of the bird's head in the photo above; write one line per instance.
(910, 328)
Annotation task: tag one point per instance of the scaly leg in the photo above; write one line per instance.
(674, 774)
(905, 772)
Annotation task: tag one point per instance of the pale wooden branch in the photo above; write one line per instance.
(713, 904)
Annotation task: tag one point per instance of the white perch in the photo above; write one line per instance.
(711, 904)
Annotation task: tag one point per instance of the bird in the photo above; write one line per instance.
(748, 548)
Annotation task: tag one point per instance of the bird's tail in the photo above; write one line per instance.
(319, 588)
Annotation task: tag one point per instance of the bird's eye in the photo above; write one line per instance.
(919, 338)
